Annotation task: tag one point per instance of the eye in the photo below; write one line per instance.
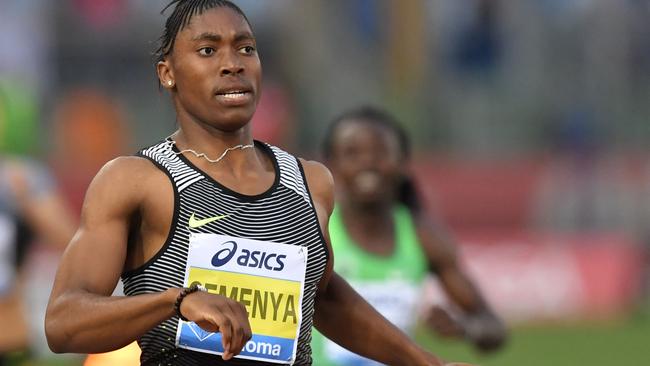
(247, 50)
(206, 51)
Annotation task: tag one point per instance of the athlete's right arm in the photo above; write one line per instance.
(82, 317)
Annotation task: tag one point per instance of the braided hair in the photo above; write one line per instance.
(181, 16)
(407, 192)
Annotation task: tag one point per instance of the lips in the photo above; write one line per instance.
(368, 181)
(234, 95)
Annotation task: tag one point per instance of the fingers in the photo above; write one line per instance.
(234, 327)
(216, 313)
(442, 322)
(225, 327)
(247, 332)
(240, 327)
(489, 344)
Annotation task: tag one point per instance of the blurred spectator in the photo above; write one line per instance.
(30, 210)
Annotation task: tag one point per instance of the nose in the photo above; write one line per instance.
(365, 161)
(368, 160)
(231, 65)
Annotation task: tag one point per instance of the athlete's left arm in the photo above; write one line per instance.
(341, 314)
(479, 323)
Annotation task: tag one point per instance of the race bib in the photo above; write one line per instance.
(267, 278)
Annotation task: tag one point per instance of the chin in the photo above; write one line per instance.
(233, 120)
(370, 201)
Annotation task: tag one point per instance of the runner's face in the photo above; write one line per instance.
(216, 69)
(367, 162)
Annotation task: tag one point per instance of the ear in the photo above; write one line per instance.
(165, 74)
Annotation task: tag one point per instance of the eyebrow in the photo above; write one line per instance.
(209, 36)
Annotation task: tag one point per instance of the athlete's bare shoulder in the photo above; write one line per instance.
(127, 167)
(321, 187)
(320, 182)
(129, 172)
(124, 181)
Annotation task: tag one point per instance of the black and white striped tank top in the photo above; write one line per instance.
(284, 214)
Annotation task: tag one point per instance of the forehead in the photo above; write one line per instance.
(220, 20)
(355, 130)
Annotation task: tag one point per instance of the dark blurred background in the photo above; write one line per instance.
(531, 122)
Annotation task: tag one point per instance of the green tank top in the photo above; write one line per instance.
(390, 283)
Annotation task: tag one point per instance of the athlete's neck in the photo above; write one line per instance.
(213, 142)
(372, 230)
(367, 216)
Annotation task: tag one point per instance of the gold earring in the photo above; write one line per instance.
(170, 83)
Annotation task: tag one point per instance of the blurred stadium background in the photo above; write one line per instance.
(531, 121)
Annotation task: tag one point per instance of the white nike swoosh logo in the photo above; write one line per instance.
(194, 222)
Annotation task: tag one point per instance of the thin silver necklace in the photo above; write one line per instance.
(172, 142)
